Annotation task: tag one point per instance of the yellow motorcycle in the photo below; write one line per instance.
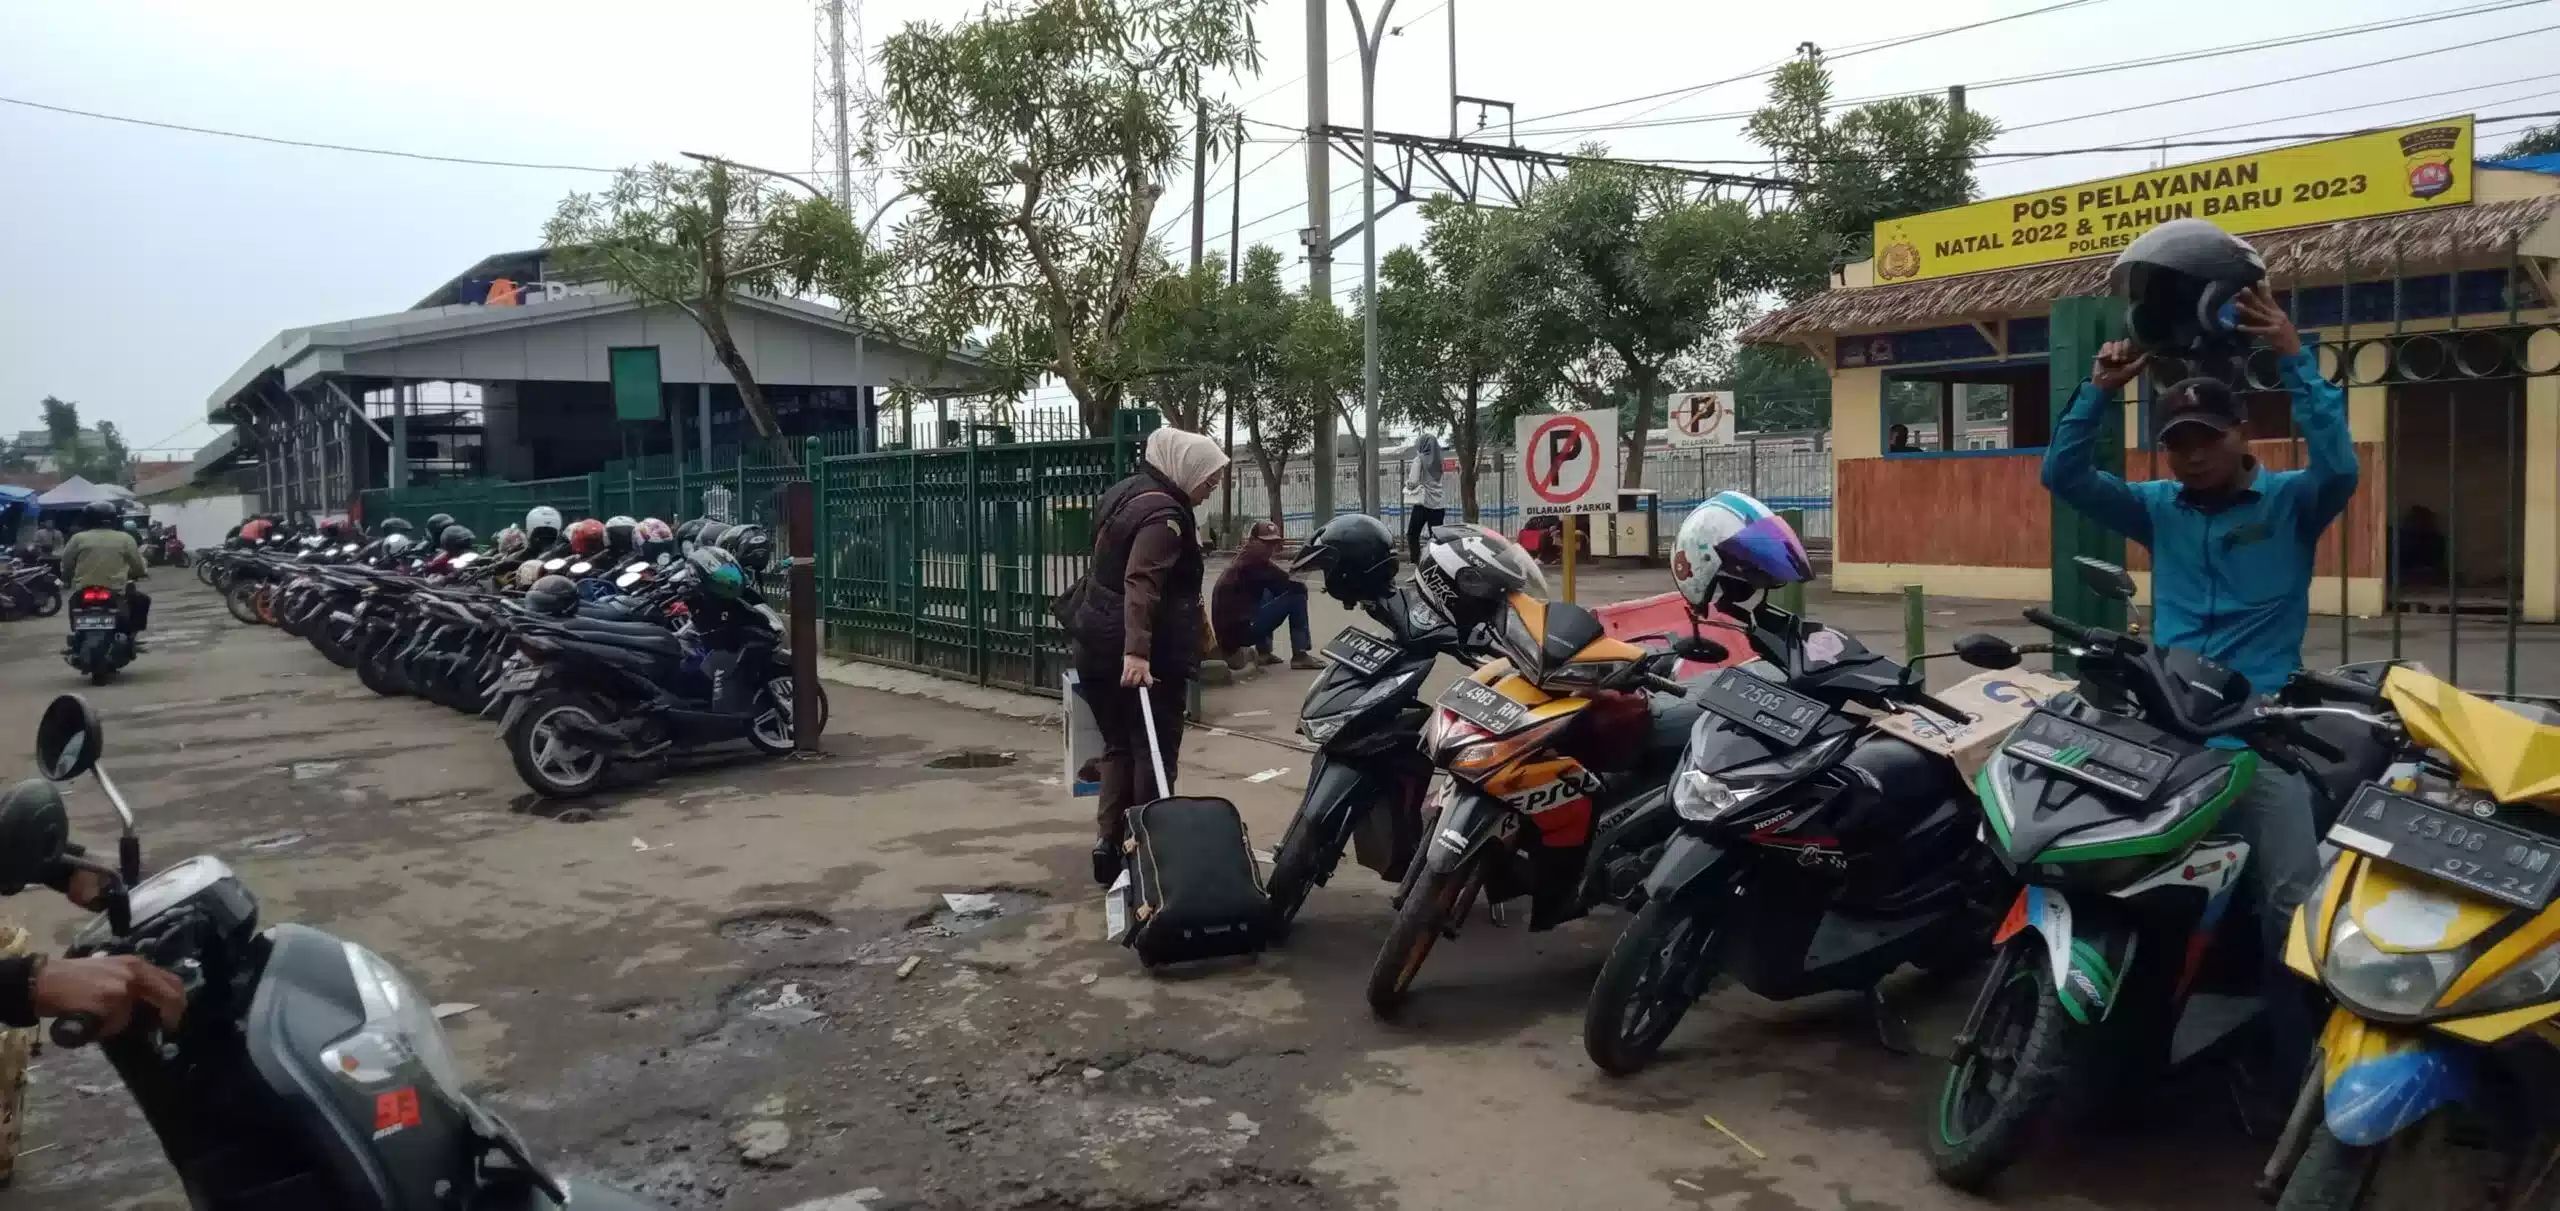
(2434, 932)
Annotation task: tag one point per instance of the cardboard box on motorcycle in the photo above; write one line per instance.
(1995, 703)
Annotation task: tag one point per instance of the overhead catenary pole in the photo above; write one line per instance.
(1199, 179)
(1370, 36)
(839, 89)
(1452, 9)
(1235, 246)
(1319, 236)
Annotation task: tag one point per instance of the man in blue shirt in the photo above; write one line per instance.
(2231, 552)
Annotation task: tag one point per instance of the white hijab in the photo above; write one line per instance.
(1188, 459)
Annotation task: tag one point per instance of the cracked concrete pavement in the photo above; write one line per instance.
(739, 986)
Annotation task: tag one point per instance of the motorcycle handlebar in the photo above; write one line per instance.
(2059, 625)
(2330, 685)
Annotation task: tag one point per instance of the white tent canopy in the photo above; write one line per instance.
(78, 491)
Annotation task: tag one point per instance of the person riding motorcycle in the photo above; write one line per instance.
(103, 555)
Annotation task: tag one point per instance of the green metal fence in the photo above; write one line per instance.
(942, 559)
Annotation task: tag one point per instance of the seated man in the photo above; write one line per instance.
(1253, 597)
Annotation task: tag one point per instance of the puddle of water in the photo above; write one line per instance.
(947, 922)
(971, 759)
(775, 927)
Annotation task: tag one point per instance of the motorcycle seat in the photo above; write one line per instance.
(1671, 721)
(627, 633)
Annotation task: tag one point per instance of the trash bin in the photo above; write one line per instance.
(1631, 530)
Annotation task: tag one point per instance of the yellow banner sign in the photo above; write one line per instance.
(2417, 167)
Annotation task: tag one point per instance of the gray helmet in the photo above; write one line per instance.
(2178, 281)
(1357, 554)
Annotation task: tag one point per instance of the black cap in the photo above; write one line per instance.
(2199, 401)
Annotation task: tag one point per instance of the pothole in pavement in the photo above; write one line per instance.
(971, 759)
(776, 927)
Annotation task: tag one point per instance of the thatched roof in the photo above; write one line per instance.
(2451, 237)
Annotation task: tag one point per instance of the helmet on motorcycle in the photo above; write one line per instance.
(654, 537)
(752, 546)
(436, 522)
(686, 533)
(617, 532)
(511, 540)
(1733, 538)
(528, 573)
(718, 570)
(554, 595)
(394, 525)
(454, 540)
(1467, 572)
(709, 534)
(2178, 281)
(1357, 553)
(397, 545)
(542, 526)
(586, 536)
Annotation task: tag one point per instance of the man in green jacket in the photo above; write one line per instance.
(102, 555)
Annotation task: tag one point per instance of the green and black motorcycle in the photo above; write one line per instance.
(2115, 958)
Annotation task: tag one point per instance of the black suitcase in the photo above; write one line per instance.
(1194, 891)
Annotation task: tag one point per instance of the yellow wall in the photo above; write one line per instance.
(2542, 498)
(1857, 413)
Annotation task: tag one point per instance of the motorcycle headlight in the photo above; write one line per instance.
(1584, 675)
(1322, 730)
(2536, 979)
(1706, 798)
(399, 1032)
(2366, 977)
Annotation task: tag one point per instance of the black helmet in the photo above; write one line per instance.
(709, 534)
(2178, 281)
(751, 544)
(393, 525)
(554, 595)
(718, 571)
(686, 533)
(454, 540)
(439, 523)
(99, 513)
(1358, 555)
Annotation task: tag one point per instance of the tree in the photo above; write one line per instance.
(1444, 332)
(1776, 388)
(1318, 362)
(1626, 282)
(2533, 141)
(1277, 420)
(62, 429)
(1178, 344)
(109, 462)
(690, 238)
(1036, 141)
(1877, 161)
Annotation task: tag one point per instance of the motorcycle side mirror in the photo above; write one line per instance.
(1987, 651)
(2103, 578)
(34, 832)
(68, 738)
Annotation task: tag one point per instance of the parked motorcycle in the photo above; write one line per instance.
(307, 1071)
(1554, 760)
(32, 589)
(2431, 930)
(1815, 852)
(2118, 956)
(100, 643)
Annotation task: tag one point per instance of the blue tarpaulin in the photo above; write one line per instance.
(12, 494)
(2543, 163)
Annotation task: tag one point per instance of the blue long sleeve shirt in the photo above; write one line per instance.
(2231, 580)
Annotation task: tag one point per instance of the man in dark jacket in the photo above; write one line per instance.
(1254, 596)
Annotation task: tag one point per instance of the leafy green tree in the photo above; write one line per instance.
(1036, 140)
(1318, 361)
(691, 238)
(1445, 331)
(1877, 161)
(1776, 388)
(2533, 141)
(1277, 419)
(1178, 344)
(109, 462)
(62, 430)
(1626, 284)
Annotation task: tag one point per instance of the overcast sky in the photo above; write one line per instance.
(143, 266)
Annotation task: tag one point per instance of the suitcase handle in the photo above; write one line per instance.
(1155, 747)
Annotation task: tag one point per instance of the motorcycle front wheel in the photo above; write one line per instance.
(1438, 899)
(2010, 1078)
(2426, 1167)
(1297, 866)
(1660, 966)
(242, 601)
(47, 605)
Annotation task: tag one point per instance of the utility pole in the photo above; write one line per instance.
(1319, 235)
(1452, 8)
(1235, 240)
(1370, 36)
(1199, 179)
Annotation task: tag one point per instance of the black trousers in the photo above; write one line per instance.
(1417, 520)
(1128, 778)
(137, 608)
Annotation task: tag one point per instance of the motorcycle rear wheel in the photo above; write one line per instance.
(1439, 898)
(242, 601)
(204, 571)
(376, 677)
(548, 763)
(47, 606)
(1659, 967)
(2023, 1060)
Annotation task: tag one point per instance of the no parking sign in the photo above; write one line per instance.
(1568, 463)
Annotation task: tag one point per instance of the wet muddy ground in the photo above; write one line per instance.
(741, 987)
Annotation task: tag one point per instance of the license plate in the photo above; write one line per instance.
(1483, 706)
(2112, 763)
(518, 681)
(93, 622)
(1764, 706)
(2498, 862)
(1361, 652)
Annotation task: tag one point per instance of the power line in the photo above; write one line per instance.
(2150, 145)
(1844, 53)
(2074, 73)
(2332, 109)
(1221, 190)
(315, 145)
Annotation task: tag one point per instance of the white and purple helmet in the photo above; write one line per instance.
(1734, 536)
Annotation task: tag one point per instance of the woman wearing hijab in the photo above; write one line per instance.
(1136, 622)
(1425, 505)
